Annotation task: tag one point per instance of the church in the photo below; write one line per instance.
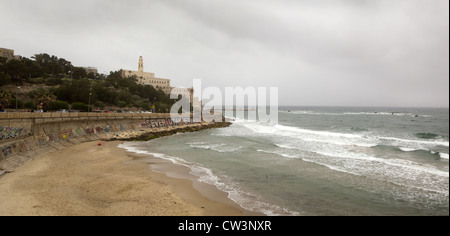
(146, 78)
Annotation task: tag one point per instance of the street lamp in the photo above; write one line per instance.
(154, 108)
(16, 98)
(89, 106)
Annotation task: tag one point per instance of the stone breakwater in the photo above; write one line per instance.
(26, 135)
(149, 135)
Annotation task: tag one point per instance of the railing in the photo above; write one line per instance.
(81, 116)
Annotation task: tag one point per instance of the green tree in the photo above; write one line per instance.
(52, 65)
(42, 95)
(3, 60)
(5, 79)
(53, 81)
(121, 104)
(16, 69)
(79, 73)
(12, 103)
(32, 69)
(75, 91)
(100, 105)
(80, 106)
(91, 75)
(58, 105)
(5, 97)
(30, 105)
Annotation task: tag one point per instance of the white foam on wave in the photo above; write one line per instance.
(343, 139)
(223, 148)
(400, 141)
(278, 153)
(294, 131)
(405, 149)
(443, 155)
(344, 154)
(380, 113)
(396, 171)
(353, 113)
(133, 149)
(291, 156)
(244, 199)
(320, 133)
(367, 139)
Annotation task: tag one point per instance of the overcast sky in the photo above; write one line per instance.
(319, 53)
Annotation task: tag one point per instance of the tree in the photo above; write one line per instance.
(3, 60)
(15, 101)
(5, 98)
(5, 79)
(80, 106)
(52, 65)
(58, 105)
(75, 91)
(16, 69)
(121, 104)
(66, 66)
(30, 105)
(91, 75)
(79, 73)
(100, 105)
(44, 96)
(53, 81)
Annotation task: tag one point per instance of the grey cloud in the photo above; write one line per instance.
(378, 53)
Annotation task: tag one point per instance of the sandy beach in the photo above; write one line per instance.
(92, 180)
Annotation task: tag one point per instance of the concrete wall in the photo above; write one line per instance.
(16, 125)
(22, 134)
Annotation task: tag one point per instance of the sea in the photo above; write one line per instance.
(323, 161)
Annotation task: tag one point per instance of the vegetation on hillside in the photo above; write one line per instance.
(67, 85)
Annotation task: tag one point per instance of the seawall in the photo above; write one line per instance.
(25, 135)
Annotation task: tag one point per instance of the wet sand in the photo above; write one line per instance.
(88, 179)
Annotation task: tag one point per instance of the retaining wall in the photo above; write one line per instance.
(24, 135)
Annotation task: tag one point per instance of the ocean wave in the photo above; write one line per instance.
(314, 132)
(443, 155)
(400, 141)
(278, 153)
(357, 129)
(344, 154)
(440, 154)
(313, 113)
(400, 172)
(397, 171)
(403, 164)
(215, 147)
(352, 153)
(243, 198)
(366, 139)
(404, 149)
(382, 113)
(427, 136)
(258, 127)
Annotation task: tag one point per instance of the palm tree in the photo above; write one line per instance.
(43, 96)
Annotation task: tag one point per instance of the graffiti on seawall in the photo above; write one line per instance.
(106, 128)
(61, 135)
(158, 123)
(9, 132)
(7, 151)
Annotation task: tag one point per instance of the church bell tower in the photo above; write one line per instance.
(141, 64)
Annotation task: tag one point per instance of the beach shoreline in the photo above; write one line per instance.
(91, 180)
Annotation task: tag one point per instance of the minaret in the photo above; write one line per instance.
(141, 65)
